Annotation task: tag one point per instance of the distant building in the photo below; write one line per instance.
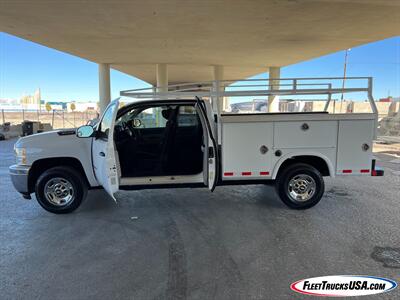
(31, 101)
(37, 96)
(389, 99)
(58, 104)
(83, 106)
(8, 102)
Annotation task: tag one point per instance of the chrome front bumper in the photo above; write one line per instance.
(19, 177)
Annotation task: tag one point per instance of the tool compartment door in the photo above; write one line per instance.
(305, 134)
(246, 150)
(354, 147)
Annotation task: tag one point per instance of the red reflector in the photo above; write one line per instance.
(364, 171)
(347, 171)
(264, 173)
(246, 173)
(228, 174)
(374, 173)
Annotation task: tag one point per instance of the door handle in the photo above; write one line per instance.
(210, 152)
(101, 153)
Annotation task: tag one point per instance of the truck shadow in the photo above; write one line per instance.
(269, 198)
(97, 200)
(263, 196)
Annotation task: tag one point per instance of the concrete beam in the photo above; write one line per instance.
(191, 50)
(104, 86)
(273, 101)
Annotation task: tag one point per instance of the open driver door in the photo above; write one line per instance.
(103, 151)
(211, 148)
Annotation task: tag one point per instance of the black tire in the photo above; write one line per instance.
(305, 177)
(68, 177)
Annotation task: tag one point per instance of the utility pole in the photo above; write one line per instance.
(344, 77)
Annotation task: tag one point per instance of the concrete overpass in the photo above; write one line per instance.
(174, 41)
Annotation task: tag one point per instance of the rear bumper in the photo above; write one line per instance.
(19, 177)
(376, 171)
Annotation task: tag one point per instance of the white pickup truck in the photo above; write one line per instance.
(180, 138)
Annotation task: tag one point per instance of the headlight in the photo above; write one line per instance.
(20, 154)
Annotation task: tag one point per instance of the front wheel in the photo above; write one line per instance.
(60, 190)
(300, 186)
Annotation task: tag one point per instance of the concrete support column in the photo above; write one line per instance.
(162, 77)
(104, 86)
(273, 101)
(162, 87)
(218, 73)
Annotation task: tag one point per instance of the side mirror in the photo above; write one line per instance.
(136, 123)
(85, 131)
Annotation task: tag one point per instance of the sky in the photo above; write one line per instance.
(26, 66)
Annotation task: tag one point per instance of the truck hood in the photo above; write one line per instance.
(46, 137)
(57, 143)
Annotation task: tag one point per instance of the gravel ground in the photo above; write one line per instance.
(239, 242)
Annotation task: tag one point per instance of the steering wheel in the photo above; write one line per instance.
(132, 130)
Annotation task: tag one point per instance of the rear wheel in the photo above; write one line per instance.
(60, 190)
(300, 186)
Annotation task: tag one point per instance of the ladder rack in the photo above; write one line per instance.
(259, 87)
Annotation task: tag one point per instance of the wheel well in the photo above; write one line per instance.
(315, 161)
(41, 165)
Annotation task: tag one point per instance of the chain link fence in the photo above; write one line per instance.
(56, 118)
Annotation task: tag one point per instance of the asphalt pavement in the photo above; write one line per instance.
(239, 242)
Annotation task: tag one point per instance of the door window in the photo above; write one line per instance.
(105, 124)
(151, 117)
(187, 117)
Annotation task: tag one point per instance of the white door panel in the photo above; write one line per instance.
(211, 152)
(103, 151)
